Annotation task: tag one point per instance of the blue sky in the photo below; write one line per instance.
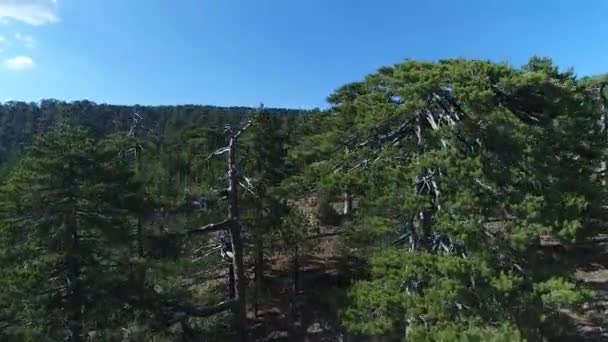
(285, 53)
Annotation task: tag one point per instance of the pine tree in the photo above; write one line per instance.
(65, 236)
(263, 157)
(464, 165)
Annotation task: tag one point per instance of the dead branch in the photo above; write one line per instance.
(212, 227)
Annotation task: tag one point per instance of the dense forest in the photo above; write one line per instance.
(432, 201)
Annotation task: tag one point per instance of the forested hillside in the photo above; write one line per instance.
(417, 207)
(20, 121)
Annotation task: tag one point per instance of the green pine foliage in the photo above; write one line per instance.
(457, 168)
(65, 235)
(464, 165)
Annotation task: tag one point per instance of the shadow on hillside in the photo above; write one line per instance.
(588, 322)
(311, 314)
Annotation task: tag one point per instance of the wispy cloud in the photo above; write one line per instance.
(19, 63)
(25, 39)
(33, 12)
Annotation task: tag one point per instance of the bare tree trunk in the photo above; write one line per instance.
(417, 220)
(232, 224)
(236, 241)
(259, 272)
(413, 225)
(348, 204)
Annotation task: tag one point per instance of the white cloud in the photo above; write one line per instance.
(27, 40)
(33, 12)
(19, 63)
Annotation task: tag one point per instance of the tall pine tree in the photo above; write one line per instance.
(66, 237)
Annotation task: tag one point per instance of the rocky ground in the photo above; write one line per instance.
(590, 321)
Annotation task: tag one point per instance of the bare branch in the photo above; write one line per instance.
(236, 135)
(219, 151)
(248, 182)
(135, 119)
(249, 189)
(206, 310)
(233, 136)
(393, 136)
(212, 227)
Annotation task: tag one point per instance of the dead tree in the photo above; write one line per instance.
(234, 227)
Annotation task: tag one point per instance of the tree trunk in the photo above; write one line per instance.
(423, 221)
(188, 335)
(74, 309)
(604, 128)
(239, 284)
(140, 237)
(293, 301)
(231, 281)
(259, 272)
(348, 204)
(604, 124)
(427, 227)
(413, 225)
(418, 217)
(237, 242)
(296, 270)
(238, 281)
